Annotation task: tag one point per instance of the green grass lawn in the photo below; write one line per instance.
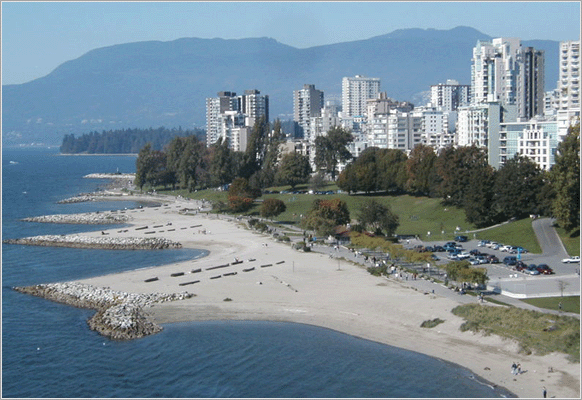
(418, 215)
(569, 303)
(571, 241)
(516, 233)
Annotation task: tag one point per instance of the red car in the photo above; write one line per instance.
(544, 269)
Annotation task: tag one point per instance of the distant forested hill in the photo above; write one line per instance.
(157, 83)
(124, 141)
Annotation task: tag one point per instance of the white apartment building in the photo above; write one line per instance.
(536, 139)
(437, 126)
(568, 87)
(215, 106)
(479, 125)
(502, 71)
(228, 114)
(307, 103)
(355, 93)
(450, 96)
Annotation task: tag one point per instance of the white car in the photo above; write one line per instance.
(575, 259)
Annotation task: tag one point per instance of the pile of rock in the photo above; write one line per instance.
(110, 176)
(96, 242)
(77, 199)
(120, 315)
(87, 218)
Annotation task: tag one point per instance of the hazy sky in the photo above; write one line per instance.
(39, 36)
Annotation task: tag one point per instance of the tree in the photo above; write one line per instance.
(420, 170)
(517, 185)
(565, 177)
(241, 195)
(455, 168)
(142, 165)
(189, 163)
(461, 271)
(221, 168)
(325, 215)
(331, 150)
(294, 170)
(391, 170)
(255, 152)
(377, 217)
(151, 168)
(272, 207)
(317, 181)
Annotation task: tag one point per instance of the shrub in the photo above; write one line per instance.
(431, 323)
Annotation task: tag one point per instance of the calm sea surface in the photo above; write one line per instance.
(49, 351)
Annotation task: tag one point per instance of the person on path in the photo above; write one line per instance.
(560, 306)
(518, 368)
(544, 392)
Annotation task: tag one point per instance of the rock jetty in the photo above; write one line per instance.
(119, 316)
(109, 176)
(87, 218)
(94, 242)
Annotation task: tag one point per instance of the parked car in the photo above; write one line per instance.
(575, 259)
(482, 259)
(545, 269)
(434, 257)
(483, 243)
(461, 238)
(521, 250)
(520, 266)
(505, 248)
(532, 269)
(474, 261)
(510, 260)
(492, 259)
(439, 249)
(475, 252)
(491, 244)
(463, 255)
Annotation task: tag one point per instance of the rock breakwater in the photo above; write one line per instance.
(109, 176)
(89, 242)
(87, 218)
(120, 315)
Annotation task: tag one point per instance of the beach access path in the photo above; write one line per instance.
(268, 280)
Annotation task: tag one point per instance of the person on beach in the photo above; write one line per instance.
(544, 392)
(518, 369)
(513, 368)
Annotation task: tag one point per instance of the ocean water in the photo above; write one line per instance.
(48, 350)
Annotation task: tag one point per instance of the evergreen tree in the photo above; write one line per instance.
(565, 176)
(517, 186)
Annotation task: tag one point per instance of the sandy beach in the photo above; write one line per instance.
(276, 283)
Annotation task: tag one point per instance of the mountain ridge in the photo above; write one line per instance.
(156, 83)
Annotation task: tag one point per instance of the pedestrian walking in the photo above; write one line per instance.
(560, 306)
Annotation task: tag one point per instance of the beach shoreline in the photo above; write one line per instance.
(269, 281)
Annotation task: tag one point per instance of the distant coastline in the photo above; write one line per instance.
(98, 154)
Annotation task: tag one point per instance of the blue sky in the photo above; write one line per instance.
(39, 36)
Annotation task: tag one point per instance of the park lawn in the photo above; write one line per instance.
(569, 303)
(417, 215)
(571, 241)
(516, 233)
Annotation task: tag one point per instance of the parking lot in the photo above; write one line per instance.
(503, 278)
